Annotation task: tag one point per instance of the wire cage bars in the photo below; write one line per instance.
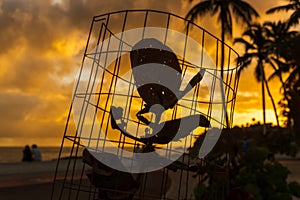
(149, 85)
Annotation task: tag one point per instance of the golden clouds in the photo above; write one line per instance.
(42, 45)
(69, 46)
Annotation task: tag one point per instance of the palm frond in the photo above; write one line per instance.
(284, 66)
(244, 11)
(275, 74)
(245, 61)
(292, 77)
(295, 17)
(248, 45)
(199, 10)
(281, 8)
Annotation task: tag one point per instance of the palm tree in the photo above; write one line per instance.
(294, 6)
(279, 34)
(243, 12)
(285, 44)
(292, 83)
(225, 9)
(257, 47)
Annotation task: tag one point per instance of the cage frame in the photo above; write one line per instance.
(68, 181)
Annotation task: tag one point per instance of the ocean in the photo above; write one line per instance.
(15, 154)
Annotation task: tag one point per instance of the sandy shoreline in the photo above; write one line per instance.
(28, 173)
(18, 174)
(31, 180)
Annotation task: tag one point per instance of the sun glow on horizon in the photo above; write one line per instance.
(42, 46)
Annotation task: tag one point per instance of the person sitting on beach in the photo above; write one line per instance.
(137, 149)
(27, 155)
(36, 153)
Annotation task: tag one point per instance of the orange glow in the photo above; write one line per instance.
(42, 46)
(70, 46)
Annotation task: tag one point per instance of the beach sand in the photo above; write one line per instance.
(28, 180)
(33, 181)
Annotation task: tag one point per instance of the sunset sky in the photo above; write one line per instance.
(41, 49)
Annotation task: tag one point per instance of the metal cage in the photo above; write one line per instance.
(106, 81)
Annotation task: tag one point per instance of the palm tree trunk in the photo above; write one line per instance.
(222, 53)
(272, 100)
(282, 83)
(263, 97)
(224, 100)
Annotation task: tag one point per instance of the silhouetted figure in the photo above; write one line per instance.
(158, 76)
(115, 184)
(36, 153)
(112, 184)
(172, 130)
(137, 149)
(27, 155)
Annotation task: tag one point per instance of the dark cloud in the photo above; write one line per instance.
(42, 45)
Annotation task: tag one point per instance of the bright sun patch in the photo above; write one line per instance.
(70, 46)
